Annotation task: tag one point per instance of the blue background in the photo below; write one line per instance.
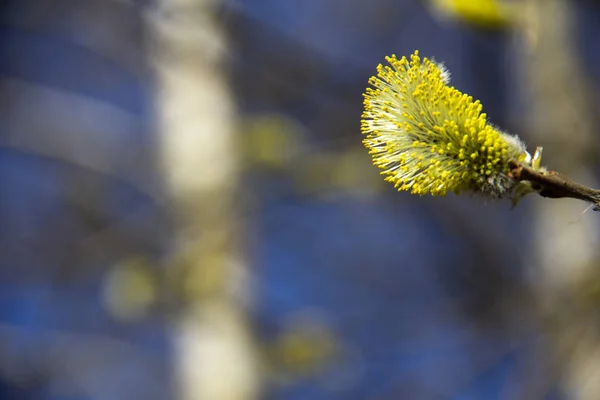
(424, 298)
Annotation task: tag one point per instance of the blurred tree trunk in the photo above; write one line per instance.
(214, 354)
(564, 242)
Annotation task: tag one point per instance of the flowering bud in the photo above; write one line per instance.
(429, 138)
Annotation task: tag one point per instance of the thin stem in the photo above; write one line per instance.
(554, 185)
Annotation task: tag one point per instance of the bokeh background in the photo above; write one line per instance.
(187, 211)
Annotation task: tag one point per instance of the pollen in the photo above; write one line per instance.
(429, 138)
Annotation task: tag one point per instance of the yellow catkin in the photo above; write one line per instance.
(428, 137)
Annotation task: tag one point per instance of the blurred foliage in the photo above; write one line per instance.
(479, 13)
(279, 143)
(302, 350)
(306, 348)
(272, 140)
(129, 289)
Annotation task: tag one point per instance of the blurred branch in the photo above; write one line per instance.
(196, 118)
(554, 185)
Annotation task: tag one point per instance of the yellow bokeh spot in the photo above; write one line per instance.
(271, 140)
(129, 289)
(480, 13)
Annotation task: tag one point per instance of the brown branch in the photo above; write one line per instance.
(553, 184)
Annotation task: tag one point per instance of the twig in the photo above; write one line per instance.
(554, 185)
